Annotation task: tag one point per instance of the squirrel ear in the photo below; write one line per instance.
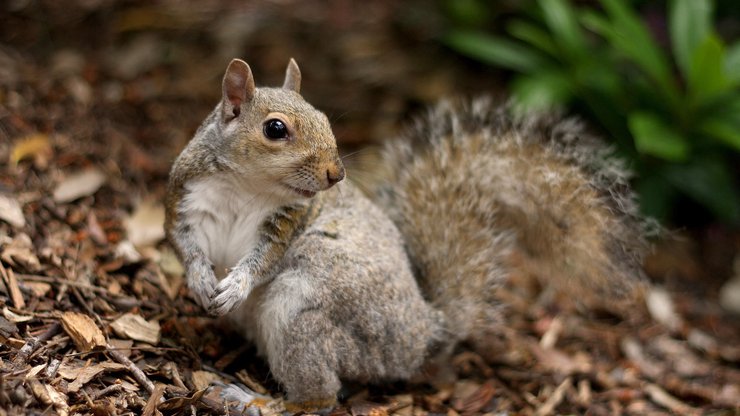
(292, 77)
(238, 87)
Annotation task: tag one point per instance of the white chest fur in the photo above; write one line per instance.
(225, 218)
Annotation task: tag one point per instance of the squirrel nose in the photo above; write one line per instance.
(334, 174)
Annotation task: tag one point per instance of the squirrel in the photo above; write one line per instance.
(333, 285)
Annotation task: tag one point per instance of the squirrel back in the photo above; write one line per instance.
(473, 188)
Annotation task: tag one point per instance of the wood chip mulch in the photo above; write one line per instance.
(95, 318)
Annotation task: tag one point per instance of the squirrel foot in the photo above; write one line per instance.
(242, 399)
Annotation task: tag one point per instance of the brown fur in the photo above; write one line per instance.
(473, 184)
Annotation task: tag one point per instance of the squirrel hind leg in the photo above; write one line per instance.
(303, 359)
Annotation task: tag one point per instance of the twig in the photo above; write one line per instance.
(135, 371)
(554, 400)
(12, 284)
(661, 397)
(59, 280)
(33, 343)
(110, 389)
(52, 368)
(174, 374)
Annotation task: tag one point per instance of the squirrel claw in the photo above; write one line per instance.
(227, 296)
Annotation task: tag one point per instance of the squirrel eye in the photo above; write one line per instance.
(275, 129)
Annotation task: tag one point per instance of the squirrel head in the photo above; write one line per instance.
(274, 138)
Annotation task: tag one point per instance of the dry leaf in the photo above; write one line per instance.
(145, 227)
(20, 252)
(125, 250)
(70, 370)
(661, 308)
(137, 328)
(122, 345)
(39, 289)
(47, 395)
(171, 273)
(182, 404)
(11, 212)
(33, 372)
(84, 375)
(248, 381)
(35, 145)
(154, 399)
(80, 184)
(83, 331)
(203, 379)
(467, 401)
(169, 263)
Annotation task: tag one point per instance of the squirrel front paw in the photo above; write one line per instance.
(201, 281)
(229, 293)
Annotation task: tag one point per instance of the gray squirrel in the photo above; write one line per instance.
(333, 285)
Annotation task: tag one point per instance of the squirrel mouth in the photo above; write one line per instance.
(302, 192)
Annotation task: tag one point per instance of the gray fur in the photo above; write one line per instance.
(335, 288)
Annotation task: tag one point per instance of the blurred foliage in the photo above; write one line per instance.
(671, 106)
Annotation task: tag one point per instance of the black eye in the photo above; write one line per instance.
(275, 129)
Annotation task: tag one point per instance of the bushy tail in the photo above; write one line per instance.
(472, 187)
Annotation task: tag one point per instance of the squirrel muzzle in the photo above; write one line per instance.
(334, 173)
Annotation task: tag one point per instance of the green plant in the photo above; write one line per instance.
(675, 116)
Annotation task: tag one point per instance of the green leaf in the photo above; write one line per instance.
(468, 12)
(627, 34)
(732, 63)
(724, 130)
(495, 50)
(596, 22)
(542, 91)
(599, 76)
(706, 78)
(656, 195)
(533, 35)
(561, 19)
(654, 137)
(708, 181)
(690, 23)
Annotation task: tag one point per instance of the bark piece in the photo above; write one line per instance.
(88, 373)
(83, 331)
(137, 328)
